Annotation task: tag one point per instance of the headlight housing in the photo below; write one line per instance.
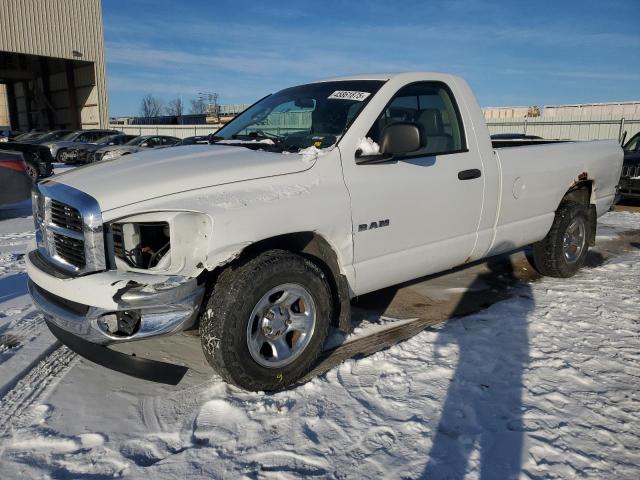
(144, 245)
(112, 154)
(173, 243)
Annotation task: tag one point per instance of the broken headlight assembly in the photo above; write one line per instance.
(142, 245)
(170, 243)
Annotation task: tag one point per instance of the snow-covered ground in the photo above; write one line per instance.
(542, 385)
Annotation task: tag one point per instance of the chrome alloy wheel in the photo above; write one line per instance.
(281, 325)
(574, 240)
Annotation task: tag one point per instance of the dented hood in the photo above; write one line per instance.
(157, 173)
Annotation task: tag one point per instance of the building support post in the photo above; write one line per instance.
(13, 107)
(74, 115)
(46, 90)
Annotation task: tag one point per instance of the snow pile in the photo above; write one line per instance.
(311, 154)
(369, 147)
(229, 200)
(542, 385)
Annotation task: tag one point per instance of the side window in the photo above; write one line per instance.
(85, 137)
(633, 145)
(430, 106)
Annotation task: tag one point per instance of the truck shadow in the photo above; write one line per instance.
(13, 286)
(483, 407)
(16, 210)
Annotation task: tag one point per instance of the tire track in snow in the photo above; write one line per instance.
(33, 385)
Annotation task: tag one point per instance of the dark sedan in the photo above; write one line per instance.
(630, 178)
(7, 135)
(15, 184)
(37, 157)
(52, 136)
(85, 153)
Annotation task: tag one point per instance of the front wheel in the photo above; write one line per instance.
(564, 250)
(266, 320)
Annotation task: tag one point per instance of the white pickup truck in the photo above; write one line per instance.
(312, 196)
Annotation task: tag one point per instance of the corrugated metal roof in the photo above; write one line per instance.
(66, 29)
(52, 28)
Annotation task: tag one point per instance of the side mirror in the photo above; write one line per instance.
(402, 137)
(397, 139)
(145, 144)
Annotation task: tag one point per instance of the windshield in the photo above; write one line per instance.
(107, 139)
(69, 136)
(136, 140)
(53, 136)
(29, 136)
(315, 114)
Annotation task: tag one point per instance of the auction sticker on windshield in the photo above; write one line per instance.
(348, 95)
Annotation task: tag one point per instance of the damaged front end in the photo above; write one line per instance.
(140, 310)
(111, 281)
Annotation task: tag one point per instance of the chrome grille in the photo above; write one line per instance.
(68, 228)
(71, 249)
(65, 216)
(631, 171)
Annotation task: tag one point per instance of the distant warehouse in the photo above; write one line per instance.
(594, 110)
(584, 111)
(52, 71)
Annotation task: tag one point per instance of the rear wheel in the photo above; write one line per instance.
(266, 320)
(564, 250)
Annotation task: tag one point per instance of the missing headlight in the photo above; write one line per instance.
(141, 245)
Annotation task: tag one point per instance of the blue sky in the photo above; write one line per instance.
(511, 52)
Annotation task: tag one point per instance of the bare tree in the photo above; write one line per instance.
(175, 107)
(198, 106)
(151, 106)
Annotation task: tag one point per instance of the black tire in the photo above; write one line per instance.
(548, 255)
(224, 320)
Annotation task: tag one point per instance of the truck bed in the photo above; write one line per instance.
(506, 143)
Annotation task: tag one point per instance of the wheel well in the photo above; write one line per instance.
(581, 192)
(315, 248)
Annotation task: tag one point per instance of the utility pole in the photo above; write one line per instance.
(210, 99)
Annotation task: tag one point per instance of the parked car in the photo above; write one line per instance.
(48, 137)
(57, 147)
(630, 178)
(37, 157)
(138, 144)
(262, 239)
(7, 135)
(197, 139)
(85, 152)
(16, 183)
(30, 135)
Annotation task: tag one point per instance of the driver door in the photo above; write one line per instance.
(417, 213)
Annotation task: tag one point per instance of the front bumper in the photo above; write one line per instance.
(166, 305)
(629, 187)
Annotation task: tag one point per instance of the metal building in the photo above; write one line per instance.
(594, 110)
(52, 64)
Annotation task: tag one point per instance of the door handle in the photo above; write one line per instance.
(469, 174)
